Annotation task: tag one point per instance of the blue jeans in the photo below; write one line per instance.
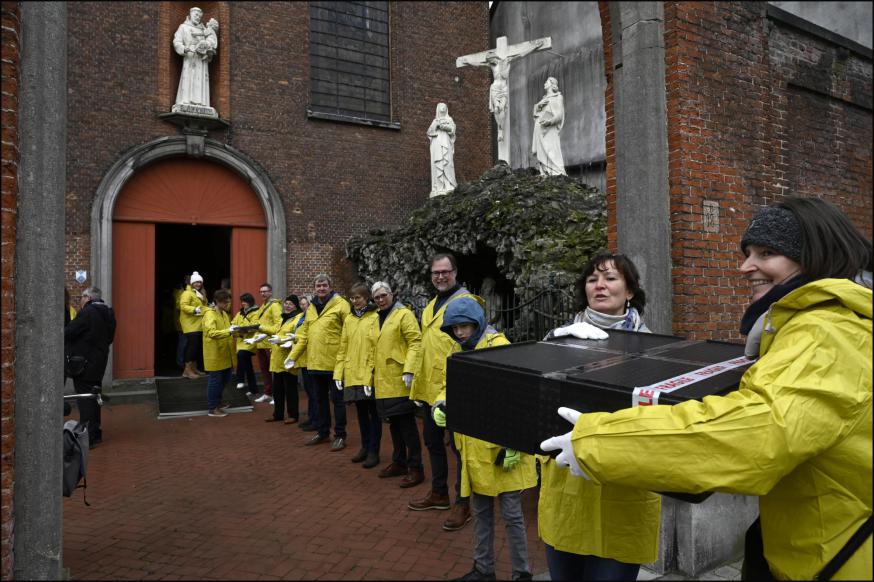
(370, 425)
(215, 385)
(569, 566)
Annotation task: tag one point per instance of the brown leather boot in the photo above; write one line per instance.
(458, 518)
(431, 501)
(412, 478)
(188, 372)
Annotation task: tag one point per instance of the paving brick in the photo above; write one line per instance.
(205, 498)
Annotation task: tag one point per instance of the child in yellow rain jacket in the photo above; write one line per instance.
(219, 354)
(488, 471)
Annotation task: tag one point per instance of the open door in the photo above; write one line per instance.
(133, 299)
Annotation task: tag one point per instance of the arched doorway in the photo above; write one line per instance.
(171, 217)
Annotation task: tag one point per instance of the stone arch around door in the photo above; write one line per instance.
(113, 183)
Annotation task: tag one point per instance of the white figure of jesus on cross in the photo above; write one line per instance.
(498, 59)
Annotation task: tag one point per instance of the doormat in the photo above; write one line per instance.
(180, 397)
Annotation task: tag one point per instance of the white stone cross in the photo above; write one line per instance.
(498, 59)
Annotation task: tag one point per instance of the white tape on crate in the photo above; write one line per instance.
(649, 395)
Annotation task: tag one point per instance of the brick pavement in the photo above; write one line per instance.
(237, 498)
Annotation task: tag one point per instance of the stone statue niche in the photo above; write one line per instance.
(197, 44)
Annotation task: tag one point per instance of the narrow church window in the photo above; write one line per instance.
(349, 61)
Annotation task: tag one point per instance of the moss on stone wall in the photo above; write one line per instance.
(536, 226)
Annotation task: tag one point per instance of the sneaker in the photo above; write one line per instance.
(270, 402)
(217, 412)
(262, 398)
(317, 440)
(225, 405)
(339, 444)
(240, 385)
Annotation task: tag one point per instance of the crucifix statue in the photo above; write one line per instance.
(498, 59)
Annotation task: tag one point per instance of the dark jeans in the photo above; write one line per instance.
(194, 348)
(180, 349)
(325, 391)
(245, 371)
(312, 402)
(285, 395)
(434, 435)
(215, 385)
(264, 365)
(568, 566)
(370, 425)
(405, 441)
(89, 410)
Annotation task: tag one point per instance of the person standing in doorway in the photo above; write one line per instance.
(429, 382)
(192, 306)
(219, 351)
(319, 336)
(87, 339)
(269, 316)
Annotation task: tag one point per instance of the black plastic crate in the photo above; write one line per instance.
(509, 395)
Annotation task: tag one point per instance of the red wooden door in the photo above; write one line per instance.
(248, 262)
(133, 299)
(182, 191)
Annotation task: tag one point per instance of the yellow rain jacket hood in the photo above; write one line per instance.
(188, 302)
(355, 356)
(398, 352)
(797, 432)
(320, 334)
(218, 344)
(430, 379)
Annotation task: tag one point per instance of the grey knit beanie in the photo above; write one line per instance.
(775, 228)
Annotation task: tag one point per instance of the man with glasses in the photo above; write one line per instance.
(430, 380)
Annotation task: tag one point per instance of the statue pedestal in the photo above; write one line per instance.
(195, 110)
(195, 127)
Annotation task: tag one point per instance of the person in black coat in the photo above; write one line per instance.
(86, 346)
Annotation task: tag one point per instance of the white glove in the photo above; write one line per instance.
(288, 364)
(233, 328)
(368, 391)
(286, 345)
(408, 380)
(289, 337)
(197, 311)
(258, 338)
(566, 458)
(338, 384)
(417, 403)
(581, 330)
(274, 339)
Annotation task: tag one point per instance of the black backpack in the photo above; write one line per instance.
(75, 458)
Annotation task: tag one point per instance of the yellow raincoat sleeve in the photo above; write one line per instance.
(302, 335)
(344, 345)
(413, 337)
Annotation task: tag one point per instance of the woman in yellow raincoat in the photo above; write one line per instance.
(797, 432)
(219, 353)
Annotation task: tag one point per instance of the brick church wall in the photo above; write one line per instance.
(336, 179)
(11, 59)
(757, 110)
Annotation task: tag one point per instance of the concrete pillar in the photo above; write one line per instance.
(39, 291)
(641, 138)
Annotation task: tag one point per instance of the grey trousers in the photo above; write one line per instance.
(483, 509)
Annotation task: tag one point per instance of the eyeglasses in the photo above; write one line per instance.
(442, 273)
(380, 297)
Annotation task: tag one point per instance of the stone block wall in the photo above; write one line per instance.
(10, 57)
(336, 179)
